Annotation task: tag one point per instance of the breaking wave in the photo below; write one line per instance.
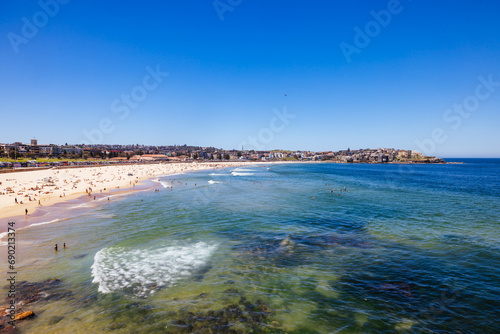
(142, 271)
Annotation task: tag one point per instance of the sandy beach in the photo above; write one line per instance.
(29, 190)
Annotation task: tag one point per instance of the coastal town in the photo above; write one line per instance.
(33, 154)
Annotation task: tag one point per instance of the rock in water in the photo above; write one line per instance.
(287, 242)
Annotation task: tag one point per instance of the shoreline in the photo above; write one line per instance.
(67, 208)
(113, 180)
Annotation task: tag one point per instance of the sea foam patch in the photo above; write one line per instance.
(142, 271)
(239, 169)
(242, 171)
(2, 235)
(241, 174)
(45, 223)
(164, 184)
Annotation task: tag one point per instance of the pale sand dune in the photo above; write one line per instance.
(52, 186)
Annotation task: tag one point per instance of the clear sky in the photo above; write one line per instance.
(359, 74)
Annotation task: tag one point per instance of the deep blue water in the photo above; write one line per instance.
(298, 248)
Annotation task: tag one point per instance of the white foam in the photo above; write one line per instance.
(213, 182)
(82, 205)
(164, 184)
(2, 235)
(143, 271)
(219, 174)
(105, 198)
(243, 170)
(45, 223)
(241, 174)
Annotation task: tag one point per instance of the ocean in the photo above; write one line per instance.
(279, 248)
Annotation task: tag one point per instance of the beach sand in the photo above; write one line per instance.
(43, 188)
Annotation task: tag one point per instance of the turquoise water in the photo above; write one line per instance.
(279, 249)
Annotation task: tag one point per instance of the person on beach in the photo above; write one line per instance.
(55, 247)
(25, 212)
(64, 245)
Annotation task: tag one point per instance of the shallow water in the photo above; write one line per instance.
(401, 248)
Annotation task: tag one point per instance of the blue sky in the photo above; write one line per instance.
(66, 82)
